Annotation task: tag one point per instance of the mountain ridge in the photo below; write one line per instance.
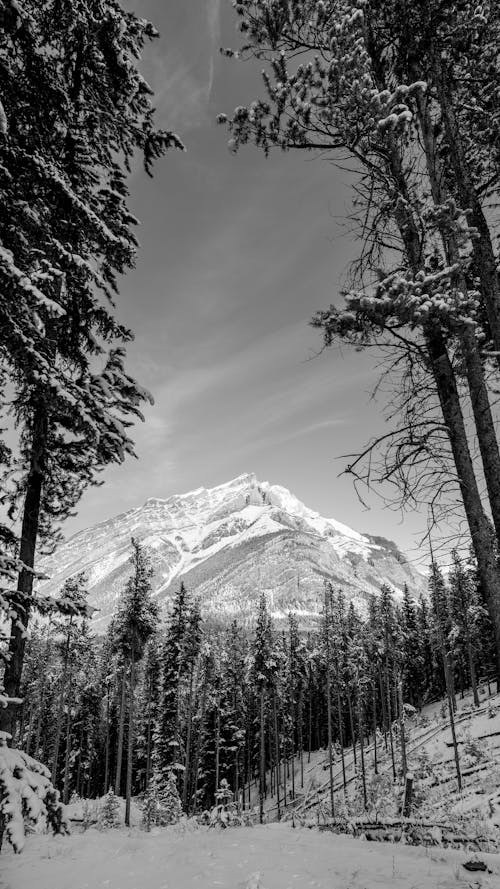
(228, 543)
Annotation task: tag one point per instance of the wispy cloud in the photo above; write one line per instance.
(182, 73)
(213, 12)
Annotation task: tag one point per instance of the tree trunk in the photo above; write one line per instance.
(130, 746)
(351, 723)
(361, 747)
(402, 729)
(67, 758)
(479, 525)
(187, 760)
(106, 760)
(277, 756)
(301, 739)
(389, 719)
(23, 599)
(341, 734)
(217, 745)
(199, 741)
(60, 706)
(449, 400)
(121, 726)
(262, 761)
(485, 263)
(485, 426)
(329, 699)
(472, 669)
(452, 720)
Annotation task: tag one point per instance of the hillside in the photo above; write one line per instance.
(473, 812)
(228, 543)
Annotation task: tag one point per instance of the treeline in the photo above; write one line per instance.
(153, 698)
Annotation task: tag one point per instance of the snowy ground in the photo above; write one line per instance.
(273, 856)
(428, 734)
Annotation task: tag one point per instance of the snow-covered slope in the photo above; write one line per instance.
(228, 543)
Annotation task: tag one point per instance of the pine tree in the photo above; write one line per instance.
(412, 651)
(263, 678)
(135, 622)
(466, 615)
(72, 603)
(109, 814)
(178, 658)
(26, 795)
(415, 290)
(441, 616)
(71, 132)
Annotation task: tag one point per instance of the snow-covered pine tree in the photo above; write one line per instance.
(235, 716)
(147, 709)
(109, 812)
(224, 813)
(71, 603)
(71, 131)
(263, 679)
(467, 615)
(297, 673)
(411, 651)
(329, 659)
(442, 628)
(27, 796)
(178, 656)
(161, 805)
(135, 621)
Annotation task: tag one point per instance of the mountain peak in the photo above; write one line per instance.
(228, 543)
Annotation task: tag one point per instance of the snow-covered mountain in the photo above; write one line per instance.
(227, 544)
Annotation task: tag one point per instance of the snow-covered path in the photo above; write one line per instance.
(268, 857)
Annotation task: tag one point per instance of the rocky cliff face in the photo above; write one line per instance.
(228, 544)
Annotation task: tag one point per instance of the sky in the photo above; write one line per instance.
(237, 253)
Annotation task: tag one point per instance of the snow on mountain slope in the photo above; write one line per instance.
(228, 543)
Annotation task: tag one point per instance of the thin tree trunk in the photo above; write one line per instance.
(262, 761)
(309, 743)
(106, 760)
(389, 720)
(385, 720)
(452, 721)
(375, 759)
(329, 698)
(277, 756)
(199, 740)
(130, 747)
(301, 739)
(67, 758)
(351, 723)
(341, 733)
(472, 669)
(149, 727)
(121, 726)
(60, 706)
(187, 761)
(79, 769)
(30, 730)
(402, 730)
(217, 745)
(361, 748)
